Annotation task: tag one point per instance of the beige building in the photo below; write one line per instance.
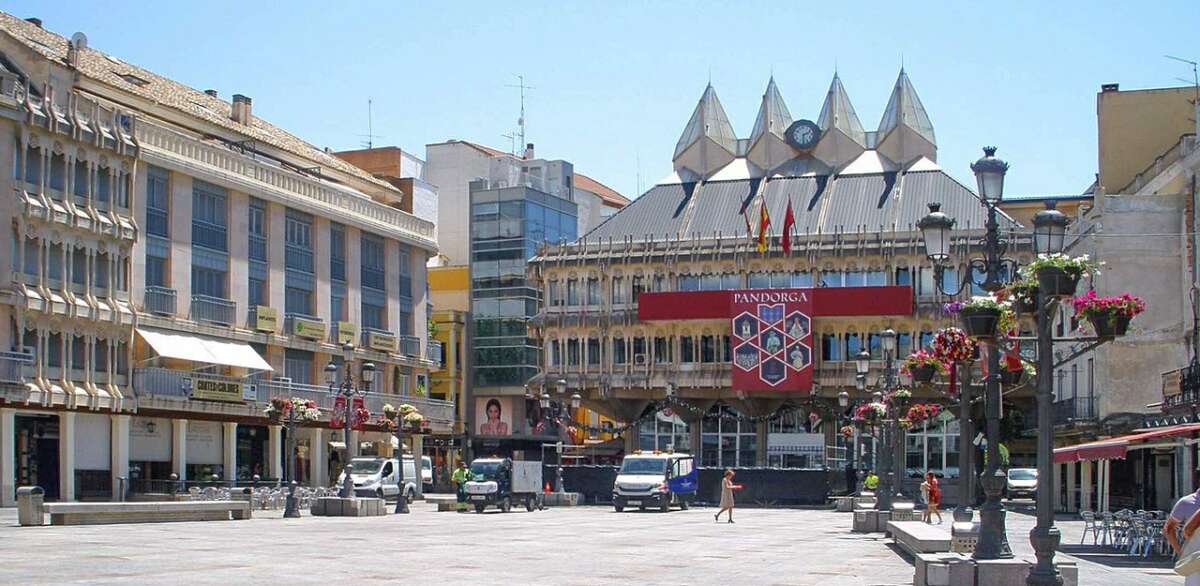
(174, 262)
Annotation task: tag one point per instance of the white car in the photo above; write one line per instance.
(1022, 483)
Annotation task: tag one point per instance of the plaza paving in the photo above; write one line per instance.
(586, 545)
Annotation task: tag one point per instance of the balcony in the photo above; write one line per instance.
(159, 300)
(1073, 410)
(433, 353)
(213, 310)
(11, 364)
(304, 326)
(1181, 388)
(410, 346)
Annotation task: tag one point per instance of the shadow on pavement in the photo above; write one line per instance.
(1114, 559)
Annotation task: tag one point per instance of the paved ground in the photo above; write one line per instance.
(587, 545)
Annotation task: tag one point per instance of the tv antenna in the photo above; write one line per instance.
(1195, 76)
(521, 121)
(370, 136)
(512, 140)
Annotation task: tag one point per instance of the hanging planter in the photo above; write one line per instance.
(922, 366)
(900, 399)
(980, 322)
(1058, 274)
(1109, 316)
(1024, 294)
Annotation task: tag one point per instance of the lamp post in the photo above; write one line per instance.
(291, 509)
(887, 340)
(936, 229)
(843, 399)
(966, 451)
(559, 409)
(347, 390)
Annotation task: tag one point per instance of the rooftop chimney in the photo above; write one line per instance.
(241, 109)
(34, 21)
(528, 151)
(1110, 87)
(212, 93)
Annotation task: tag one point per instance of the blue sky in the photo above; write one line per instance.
(615, 82)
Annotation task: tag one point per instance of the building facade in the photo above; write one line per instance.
(641, 310)
(175, 264)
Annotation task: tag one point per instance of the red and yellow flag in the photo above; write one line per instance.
(764, 226)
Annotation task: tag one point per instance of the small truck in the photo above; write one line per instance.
(501, 482)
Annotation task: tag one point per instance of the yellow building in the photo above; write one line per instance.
(1141, 132)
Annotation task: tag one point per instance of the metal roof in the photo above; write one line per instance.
(838, 112)
(773, 116)
(708, 120)
(905, 109)
(657, 212)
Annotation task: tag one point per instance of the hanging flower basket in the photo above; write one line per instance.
(922, 366)
(1011, 377)
(900, 399)
(923, 374)
(1109, 316)
(980, 322)
(1024, 294)
(1058, 274)
(951, 345)
(870, 414)
(1057, 282)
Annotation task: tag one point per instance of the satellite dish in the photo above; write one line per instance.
(79, 40)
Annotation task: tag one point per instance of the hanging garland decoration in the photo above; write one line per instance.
(812, 407)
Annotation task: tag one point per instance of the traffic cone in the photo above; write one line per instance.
(547, 489)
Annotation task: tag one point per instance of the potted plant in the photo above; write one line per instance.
(1109, 315)
(1024, 294)
(952, 345)
(900, 398)
(981, 317)
(871, 414)
(1058, 274)
(922, 365)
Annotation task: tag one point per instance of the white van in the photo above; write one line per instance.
(380, 477)
(655, 480)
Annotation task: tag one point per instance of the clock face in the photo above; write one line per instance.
(803, 134)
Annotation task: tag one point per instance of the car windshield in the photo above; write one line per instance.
(485, 470)
(644, 466)
(365, 466)
(1022, 474)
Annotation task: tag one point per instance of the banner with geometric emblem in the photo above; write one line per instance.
(772, 340)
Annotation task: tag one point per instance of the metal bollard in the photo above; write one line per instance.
(173, 489)
(122, 488)
(29, 506)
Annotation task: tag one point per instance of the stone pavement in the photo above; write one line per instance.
(585, 545)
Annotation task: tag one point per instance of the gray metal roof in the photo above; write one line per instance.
(905, 109)
(838, 112)
(825, 204)
(708, 120)
(773, 115)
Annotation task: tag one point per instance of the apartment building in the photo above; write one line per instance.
(174, 263)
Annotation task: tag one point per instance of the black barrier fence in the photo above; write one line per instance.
(761, 486)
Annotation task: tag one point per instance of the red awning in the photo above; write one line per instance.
(1116, 447)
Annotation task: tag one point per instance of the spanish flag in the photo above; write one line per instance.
(764, 227)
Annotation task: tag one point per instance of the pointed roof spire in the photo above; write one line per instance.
(838, 112)
(773, 115)
(905, 109)
(708, 121)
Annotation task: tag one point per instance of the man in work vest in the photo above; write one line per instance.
(460, 478)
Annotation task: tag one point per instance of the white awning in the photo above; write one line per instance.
(206, 350)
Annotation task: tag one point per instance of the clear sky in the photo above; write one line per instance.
(615, 82)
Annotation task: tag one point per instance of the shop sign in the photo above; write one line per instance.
(346, 333)
(381, 341)
(313, 330)
(266, 319)
(217, 390)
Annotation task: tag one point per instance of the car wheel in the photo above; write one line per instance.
(529, 504)
(379, 493)
(682, 504)
(618, 508)
(479, 508)
(506, 505)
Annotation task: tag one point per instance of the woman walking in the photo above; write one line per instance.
(727, 488)
(932, 491)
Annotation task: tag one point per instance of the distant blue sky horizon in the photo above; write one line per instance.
(615, 82)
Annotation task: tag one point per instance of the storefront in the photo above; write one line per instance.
(1148, 469)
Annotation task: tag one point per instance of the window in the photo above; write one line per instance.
(802, 279)
(639, 350)
(100, 356)
(337, 252)
(687, 349)
(54, 355)
(639, 285)
(256, 291)
(404, 262)
(54, 264)
(855, 279)
(209, 216)
(100, 279)
(555, 353)
(689, 283)
(926, 339)
(337, 302)
(933, 446)
(374, 315)
(662, 351)
(666, 432)
(710, 283)
(805, 455)
(708, 349)
(727, 442)
(618, 351)
(156, 271)
(80, 186)
(904, 344)
(298, 366)
(58, 174)
(759, 281)
(830, 350)
(572, 292)
(78, 352)
(373, 265)
(593, 352)
(831, 279)
(158, 202)
(257, 222)
(904, 276)
(618, 290)
(853, 345)
(79, 266)
(208, 282)
(553, 293)
(593, 292)
(298, 255)
(33, 165)
(573, 352)
(876, 279)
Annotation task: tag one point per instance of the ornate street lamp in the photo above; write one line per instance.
(935, 230)
(1050, 229)
(843, 399)
(347, 390)
(862, 363)
(989, 175)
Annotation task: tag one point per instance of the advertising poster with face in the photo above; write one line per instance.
(493, 415)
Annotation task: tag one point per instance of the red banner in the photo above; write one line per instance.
(826, 302)
(338, 418)
(360, 414)
(772, 340)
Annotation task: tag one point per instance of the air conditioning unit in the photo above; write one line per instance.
(639, 359)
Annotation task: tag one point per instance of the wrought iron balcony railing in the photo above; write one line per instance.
(214, 310)
(159, 300)
(1074, 409)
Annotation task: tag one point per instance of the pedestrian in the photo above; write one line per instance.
(1183, 512)
(931, 490)
(727, 488)
(851, 479)
(871, 482)
(460, 478)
